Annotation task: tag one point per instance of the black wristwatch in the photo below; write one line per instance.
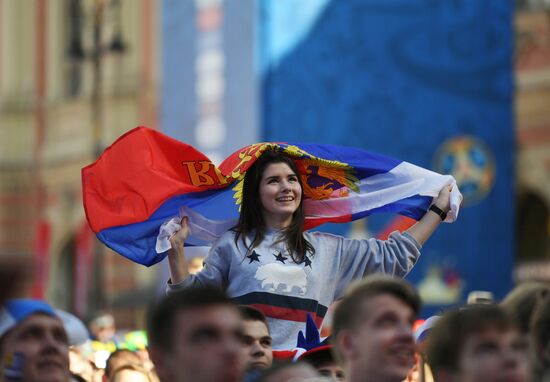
(438, 211)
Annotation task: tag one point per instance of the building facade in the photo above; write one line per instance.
(532, 62)
(74, 75)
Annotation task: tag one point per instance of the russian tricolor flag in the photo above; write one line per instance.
(145, 178)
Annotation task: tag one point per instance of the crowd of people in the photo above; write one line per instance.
(252, 313)
(201, 334)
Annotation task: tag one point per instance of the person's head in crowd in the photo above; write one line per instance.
(196, 335)
(136, 341)
(421, 372)
(286, 371)
(522, 300)
(477, 343)
(256, 338)
(103, 327)
(80, 365)
(131, 372)
(34, 345)
(323, 361)
(317, 352)
(117, 359)
(540, 338)
(477, 297)
(373, 329)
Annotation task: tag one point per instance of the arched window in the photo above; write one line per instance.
(533, 228)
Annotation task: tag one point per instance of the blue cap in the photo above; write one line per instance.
(16, 310)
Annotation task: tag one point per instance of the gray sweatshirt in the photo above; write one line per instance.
(286, 292)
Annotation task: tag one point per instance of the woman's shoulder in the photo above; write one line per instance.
(319, 236)
(325, 243)
(223, 246)
(227, 237)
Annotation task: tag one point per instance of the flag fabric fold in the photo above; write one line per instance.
(146, 178)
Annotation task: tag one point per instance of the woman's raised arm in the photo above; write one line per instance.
(176, 255)
(424, 228)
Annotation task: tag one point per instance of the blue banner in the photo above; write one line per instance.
(430, 82)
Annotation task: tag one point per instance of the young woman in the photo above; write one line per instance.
(267, 260)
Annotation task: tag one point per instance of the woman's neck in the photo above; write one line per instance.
(277, 224)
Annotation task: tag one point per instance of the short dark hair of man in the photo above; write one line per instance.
(249, 313)
(319, 358)
(270, 374)
(161, 317)
(350, 309)
(119, 358)
(445, 342)
(522, 301)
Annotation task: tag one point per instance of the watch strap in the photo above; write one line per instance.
(442, 214)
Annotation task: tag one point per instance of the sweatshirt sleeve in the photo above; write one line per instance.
(358, 258)
(214, 272)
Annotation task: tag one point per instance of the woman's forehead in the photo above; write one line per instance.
(278, 168)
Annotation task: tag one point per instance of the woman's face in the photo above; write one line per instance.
(280, 195)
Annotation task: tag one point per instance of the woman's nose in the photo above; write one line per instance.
(285, 185)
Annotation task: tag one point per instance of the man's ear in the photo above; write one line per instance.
(158, 357)
(445, 375)
(544, 353)
(346, 344)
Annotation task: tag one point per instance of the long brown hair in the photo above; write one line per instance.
(251, 220)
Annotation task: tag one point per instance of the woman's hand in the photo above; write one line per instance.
(443, 200)
(178, 238)
(176, 254)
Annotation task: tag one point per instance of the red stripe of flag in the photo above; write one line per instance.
(287, 314)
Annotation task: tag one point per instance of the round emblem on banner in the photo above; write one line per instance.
(471, 162)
